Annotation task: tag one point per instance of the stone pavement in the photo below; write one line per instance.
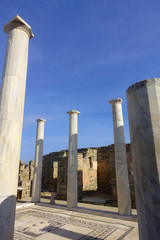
(44, 221)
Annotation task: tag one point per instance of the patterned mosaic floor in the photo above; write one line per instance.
(48, 223)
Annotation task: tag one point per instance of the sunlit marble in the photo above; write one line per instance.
(143, 100)
(122, 181)
(72, 160)
(12, 95)
(37, 176)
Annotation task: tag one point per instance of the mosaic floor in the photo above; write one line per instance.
(38, 222)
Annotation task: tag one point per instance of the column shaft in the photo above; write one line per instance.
(72, 191)
(122, 182)
(37, 177)
(143, 99)
(12, 95)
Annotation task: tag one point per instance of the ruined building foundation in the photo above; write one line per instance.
(96, 173)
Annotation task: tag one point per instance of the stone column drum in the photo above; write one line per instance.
(12, 95)
(37, 176)
(143, 100)
(72, 191)
(122, 182)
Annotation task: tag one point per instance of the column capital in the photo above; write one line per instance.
(18, 22)
(115, 101)
(143, 83)
(73, 111)
(40, 120)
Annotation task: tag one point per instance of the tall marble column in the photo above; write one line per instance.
(143, 99)
(37, 176)
(72, 191)
(12, 95)
(122, 181)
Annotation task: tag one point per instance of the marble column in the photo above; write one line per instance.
(12, 96)
(37, 176)
(72, 189)
(122, 181)
(143, 99)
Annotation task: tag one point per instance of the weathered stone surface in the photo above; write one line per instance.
(143, 100)
(124, 200)
(26, 177)
(12, 95)
(54, 173)
(39, 222)
(37, 177)
(46, 223)
(105, 171)
(72, 186)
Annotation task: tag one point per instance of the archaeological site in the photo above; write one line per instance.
(109, 192)
(96, 173)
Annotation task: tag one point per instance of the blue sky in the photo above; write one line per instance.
(84, 53)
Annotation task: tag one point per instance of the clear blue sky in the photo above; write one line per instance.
(84, 53)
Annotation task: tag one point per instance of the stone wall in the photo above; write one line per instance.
(26, 177)
(107, 173)
(96, 172)
(54, 174)
(105, 170)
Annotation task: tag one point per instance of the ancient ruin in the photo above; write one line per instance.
(12, 95)
(72, 173)
(72, 193)
(96, 173)
(124, 201)
(37, 176)
(144, 121)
